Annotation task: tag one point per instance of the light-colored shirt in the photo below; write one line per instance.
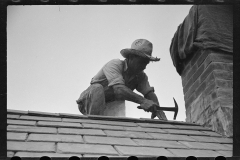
(114, 72)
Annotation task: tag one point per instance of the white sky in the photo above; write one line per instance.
(54, 51)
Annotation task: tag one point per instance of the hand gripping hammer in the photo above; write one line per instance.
(174, 109)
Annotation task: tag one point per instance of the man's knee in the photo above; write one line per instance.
(90, 98)
(97, 102)
(97, 89)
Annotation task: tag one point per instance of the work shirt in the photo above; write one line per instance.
(115, 72)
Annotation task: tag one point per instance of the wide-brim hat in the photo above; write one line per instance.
(142, 48)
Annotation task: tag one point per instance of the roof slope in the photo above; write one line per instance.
(36, 134)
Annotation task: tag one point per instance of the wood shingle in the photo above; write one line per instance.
(33, 134)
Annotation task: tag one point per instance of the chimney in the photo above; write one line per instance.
(115, 108)
(207, 81)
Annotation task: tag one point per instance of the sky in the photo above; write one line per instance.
(54, 51)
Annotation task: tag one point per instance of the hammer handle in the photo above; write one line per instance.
(166, 108)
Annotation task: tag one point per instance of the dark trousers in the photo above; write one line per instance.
(92, 100)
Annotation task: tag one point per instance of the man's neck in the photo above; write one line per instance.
(128, 71)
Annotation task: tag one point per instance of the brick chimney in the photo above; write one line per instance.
(207, 81)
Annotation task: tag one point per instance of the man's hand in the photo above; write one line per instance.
(154, 111)
(153, 115)
(159, 113)
(147, 105)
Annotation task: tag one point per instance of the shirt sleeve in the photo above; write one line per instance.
(113, 72)
(143, 85)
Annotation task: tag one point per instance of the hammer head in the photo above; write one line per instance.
(176, 109)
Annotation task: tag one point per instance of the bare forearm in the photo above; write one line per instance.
(124, 93)
(152, 96)
(160, 114)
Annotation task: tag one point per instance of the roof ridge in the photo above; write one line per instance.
(97, 117)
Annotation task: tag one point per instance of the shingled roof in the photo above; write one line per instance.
(37, 134)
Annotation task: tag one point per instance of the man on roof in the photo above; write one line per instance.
(117, 79)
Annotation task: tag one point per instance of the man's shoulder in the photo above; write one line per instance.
(142, 75)
(115, 62)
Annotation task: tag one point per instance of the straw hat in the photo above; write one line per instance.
(140, 47)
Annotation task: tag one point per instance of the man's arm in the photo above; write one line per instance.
(152, 96)
(124, 93)
(160, 114)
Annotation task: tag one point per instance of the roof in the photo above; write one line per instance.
(37, 134)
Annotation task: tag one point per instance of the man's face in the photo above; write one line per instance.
(137, 64)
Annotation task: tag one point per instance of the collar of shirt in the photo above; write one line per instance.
(125, 67)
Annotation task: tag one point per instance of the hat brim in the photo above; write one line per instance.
(126, 52)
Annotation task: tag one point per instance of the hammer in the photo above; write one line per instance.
(174, 109)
